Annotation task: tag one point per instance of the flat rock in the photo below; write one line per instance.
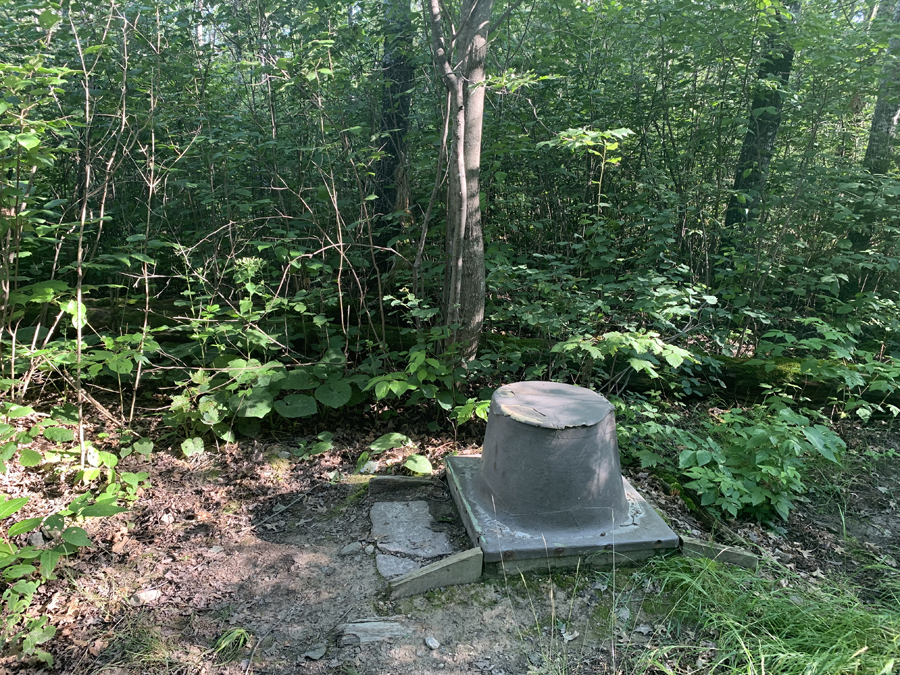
(695, 548)
(406, 528)
(391, 566)
(350, 549)
(360, 632)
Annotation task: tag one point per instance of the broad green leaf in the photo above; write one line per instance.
(320, 447)
(18, 571)
(334, 394)
(822, 445)
(143, 446)
(101, 510)
(389, 442)
(77, 311)
(29, 457)
(192, 446)
(120, 364)
(298, 379)
(54, 522)
(28, 141)
(59, 434)
(47, 19)
(76, 536)
(24, 526)
(418, 464)
(643, 364)
(14, 411)
(258, 403)
(107, 459)
(296, 405)
(687, 458)
(674, 360)
(444, 399)
(49, 559)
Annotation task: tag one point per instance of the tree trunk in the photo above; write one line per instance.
(879, 151)
(397, 73)
(762, 129)
(465, 282)
(887, 109)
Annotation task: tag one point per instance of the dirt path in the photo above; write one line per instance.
(251, 539)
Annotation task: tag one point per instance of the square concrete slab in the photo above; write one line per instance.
(405, 528)
(568, 540)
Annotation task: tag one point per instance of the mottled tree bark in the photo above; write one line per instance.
(879, 150)
(758, 147)
(465, 277)
(883, 130)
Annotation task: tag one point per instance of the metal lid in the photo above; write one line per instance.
(550, 405)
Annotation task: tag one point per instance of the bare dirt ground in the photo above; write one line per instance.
(249, 538)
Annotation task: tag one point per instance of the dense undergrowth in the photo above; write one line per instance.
(186, 227)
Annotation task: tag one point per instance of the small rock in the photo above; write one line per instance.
(535, 659)
(145, 597)
(315, 653)
(350, 549)
(370, 549)
(36, 539)
(168, 518)
(432, 643)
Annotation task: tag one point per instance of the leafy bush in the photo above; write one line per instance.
(752, 462)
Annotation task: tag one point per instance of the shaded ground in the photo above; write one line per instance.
(250, 538)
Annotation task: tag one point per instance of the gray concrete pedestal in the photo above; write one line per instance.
(548, 487)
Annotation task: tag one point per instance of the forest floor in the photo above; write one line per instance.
(248, 538)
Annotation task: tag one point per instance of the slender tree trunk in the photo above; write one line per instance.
(758, 147)
(465, 290)
(879, 150)
(887, 109)
(397, 74)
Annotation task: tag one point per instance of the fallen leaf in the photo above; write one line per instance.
(568, 637)
(145, 597)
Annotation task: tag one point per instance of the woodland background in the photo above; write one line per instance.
(256, 215)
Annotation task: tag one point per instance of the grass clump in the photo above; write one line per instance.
(773, 622)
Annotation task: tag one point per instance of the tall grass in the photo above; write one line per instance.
(770, 622)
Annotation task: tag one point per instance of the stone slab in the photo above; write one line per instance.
(457, 569)
(645, 532)
(697, 548)
(360, 632)
(391, 566)
(406, 528)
